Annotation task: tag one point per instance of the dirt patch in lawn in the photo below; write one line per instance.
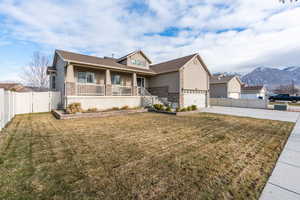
(139, 156)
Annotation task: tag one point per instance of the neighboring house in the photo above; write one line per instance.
(224, 86)
(16, 87)
(110, 82)
(253, 92)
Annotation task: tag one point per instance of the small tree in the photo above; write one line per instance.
(287, 89)
(35, 74)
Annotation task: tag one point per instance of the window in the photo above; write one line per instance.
(138, 62)
(86, 77)
(52, 82)
(116, 79)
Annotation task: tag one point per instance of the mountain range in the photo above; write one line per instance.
(273, 77)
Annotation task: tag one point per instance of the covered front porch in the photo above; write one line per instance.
(87, 81)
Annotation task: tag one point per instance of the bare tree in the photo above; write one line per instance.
(283, 1)
(35, 74)
(287, 89)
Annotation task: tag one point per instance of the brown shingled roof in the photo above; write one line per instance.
(171, 65)
(220, 78)
(93, 60)
(256, 87)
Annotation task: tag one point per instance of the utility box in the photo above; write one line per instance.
(280, 107)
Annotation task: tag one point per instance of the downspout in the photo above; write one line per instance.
(65, 85)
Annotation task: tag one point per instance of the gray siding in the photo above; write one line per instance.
(218, 90)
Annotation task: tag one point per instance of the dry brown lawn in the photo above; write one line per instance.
(139, 156)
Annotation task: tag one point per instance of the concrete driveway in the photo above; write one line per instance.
(255, 113)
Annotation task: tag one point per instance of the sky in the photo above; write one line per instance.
(230, 35)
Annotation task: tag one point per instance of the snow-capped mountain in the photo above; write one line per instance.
(272, 77)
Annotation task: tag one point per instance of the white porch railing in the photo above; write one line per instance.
(83, 89)
(118, 90)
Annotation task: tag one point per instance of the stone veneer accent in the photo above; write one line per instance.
(173, 97)
(70, 89)
(108, 90)
(134, 91)
(159, 91)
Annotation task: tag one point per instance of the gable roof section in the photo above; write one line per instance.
(171, 65)
(176, 64)
(132, 53)
(96, 61)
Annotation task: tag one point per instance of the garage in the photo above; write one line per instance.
(234, 95)
(196, 98)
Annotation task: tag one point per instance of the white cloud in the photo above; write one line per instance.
(269, 29)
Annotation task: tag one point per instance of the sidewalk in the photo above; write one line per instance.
(284, 183)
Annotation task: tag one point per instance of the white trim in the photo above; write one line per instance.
(102, 96)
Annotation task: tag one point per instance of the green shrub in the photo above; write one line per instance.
(168, 109)
(158, 106)
(177, 109)
(124, 108)
(115, 108)
(74, 108)
(183, 110)
(194, 107)
(189, 108)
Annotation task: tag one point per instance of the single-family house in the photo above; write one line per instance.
(254, 92)
(114, 82)
(225, 86)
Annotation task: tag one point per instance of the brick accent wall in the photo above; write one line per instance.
(164, 92)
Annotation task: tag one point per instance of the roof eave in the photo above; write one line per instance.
(108, 67)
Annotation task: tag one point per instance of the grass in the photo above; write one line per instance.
(139, 156)
(289, 103)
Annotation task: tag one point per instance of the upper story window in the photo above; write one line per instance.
(116, 79)
(138, 62)
(86, 77)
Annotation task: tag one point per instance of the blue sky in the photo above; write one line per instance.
(231, 35)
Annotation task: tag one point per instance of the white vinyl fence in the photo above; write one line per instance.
(242, 103)
(13, 103)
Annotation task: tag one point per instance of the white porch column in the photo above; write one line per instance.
(134, 85)
(108, 88)
(70, 80)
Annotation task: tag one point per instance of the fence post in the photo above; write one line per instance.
(50, 101)
(1, 108)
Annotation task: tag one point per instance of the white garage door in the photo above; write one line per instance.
(198, 99)
(234, 95)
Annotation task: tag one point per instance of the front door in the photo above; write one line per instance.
(140, 82)
(141, 85)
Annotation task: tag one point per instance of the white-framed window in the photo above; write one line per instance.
(86, 77)
(138, 62)
(116, 79)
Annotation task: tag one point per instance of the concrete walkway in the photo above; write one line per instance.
(284, 183)
(255, 113)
